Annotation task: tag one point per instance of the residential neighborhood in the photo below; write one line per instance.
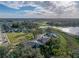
(39, 29)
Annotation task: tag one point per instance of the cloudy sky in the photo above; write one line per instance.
(39, 9)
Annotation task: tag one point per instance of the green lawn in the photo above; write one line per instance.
(15, 38)
(68, 42)
(63, 42)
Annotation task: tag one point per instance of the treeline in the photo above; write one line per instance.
(19, 26)
(64, 23)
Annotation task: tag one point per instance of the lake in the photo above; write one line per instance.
(70, 30)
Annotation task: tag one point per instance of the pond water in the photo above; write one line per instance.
(71, 30)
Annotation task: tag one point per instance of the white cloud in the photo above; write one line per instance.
(48, 9)
(10, 4)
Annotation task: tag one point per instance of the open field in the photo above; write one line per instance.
(18, 37)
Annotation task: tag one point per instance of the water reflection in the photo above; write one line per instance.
(71, 30)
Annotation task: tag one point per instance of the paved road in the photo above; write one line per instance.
(0, 37)
(3, 39)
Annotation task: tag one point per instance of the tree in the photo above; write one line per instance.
(20, 51)
(3, 51)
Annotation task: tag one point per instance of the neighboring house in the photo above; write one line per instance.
(51, 34)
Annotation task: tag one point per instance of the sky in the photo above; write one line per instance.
(39, 9)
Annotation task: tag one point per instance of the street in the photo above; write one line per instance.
(3, 38)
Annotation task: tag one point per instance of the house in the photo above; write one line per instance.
(40, 40)
(43, 39)
(34, 44)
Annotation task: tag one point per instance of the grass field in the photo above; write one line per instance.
(70, 41)
(16, 38)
